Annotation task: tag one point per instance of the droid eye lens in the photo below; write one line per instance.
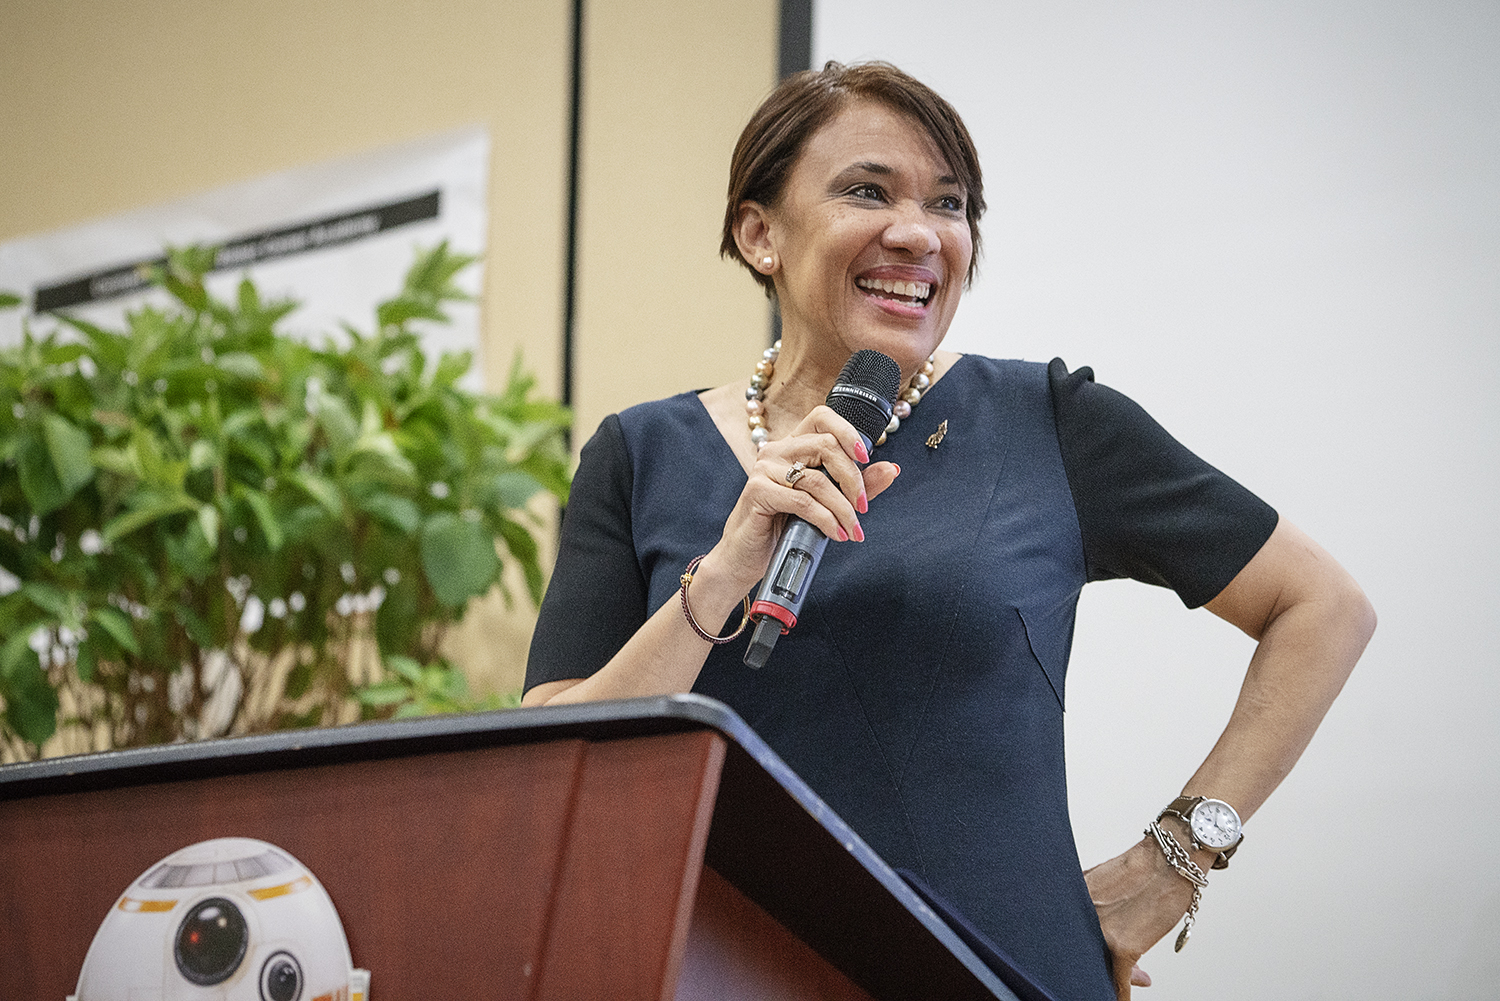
(281, 978)
(211, 942)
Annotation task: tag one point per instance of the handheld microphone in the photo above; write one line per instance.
(863, 396)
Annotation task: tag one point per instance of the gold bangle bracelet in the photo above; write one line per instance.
(687, 613)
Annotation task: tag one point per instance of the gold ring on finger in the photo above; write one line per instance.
(795, 473)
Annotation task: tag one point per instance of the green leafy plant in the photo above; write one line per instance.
(209, 526)
(417, 690)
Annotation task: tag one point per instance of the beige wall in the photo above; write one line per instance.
(110, 105)
(667, 87)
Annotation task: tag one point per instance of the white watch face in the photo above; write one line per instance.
(1215, 824)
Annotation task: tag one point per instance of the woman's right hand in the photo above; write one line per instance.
(832, 503)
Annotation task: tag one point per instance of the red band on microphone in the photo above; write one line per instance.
(775, 611)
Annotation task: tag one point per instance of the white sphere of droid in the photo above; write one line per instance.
(233, 919)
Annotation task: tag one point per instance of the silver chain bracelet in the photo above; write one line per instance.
(1183, 864)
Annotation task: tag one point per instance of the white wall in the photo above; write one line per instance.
(1277, 226)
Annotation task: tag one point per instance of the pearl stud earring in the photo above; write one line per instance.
(766, 262)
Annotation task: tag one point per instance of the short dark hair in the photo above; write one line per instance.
(804, 102)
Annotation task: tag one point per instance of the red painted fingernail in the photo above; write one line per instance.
(843, 535)
(859, 533)
(860, 452)
(898, 469)
(863, 504)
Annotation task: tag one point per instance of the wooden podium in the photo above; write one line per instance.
(651, 849)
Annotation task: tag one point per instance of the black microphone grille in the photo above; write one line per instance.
(865, 391)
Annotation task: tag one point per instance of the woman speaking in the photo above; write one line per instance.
(920, 692)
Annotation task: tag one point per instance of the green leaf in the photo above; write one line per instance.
(385, 693)
(39, 482)
(183, 275)
(155, 508)
(87, 662)
(337, 421)
(30, 701)
(260, 505)
(551, 473)
(249, 298)
(118, 625)
(433, 270)
(459, 559)
(60, 354)
(398, 311)
(238, 363)
(448, 682)
(251, 442)
(310, 523)
(9, 299)
(191, 295)
(399, 620)
(17, 647)
(68, 446)
(110, 349)
(524, 548)
(195, 626)
(298, 680)
(397, 512)
(515, 488)
(451, 367)
(156, 468)
(375, 441)
(49, 599)
(192, 262)
(238, 422)
(189, 550)
(117, 460)
(320, 489)
(406, 667)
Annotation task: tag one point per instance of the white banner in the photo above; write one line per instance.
(336, 236)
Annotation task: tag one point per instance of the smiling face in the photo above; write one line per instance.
(870, 241)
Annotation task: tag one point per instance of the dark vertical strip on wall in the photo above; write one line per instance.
(570, 276)
(796, 37)
(794, 54)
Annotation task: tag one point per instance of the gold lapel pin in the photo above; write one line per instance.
(936, 438)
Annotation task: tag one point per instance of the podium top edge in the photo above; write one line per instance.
(395, 738)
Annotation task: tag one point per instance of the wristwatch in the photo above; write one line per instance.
(1213, 823)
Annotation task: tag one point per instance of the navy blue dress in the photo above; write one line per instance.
(921, 693)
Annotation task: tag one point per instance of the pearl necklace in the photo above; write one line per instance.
(755, 397)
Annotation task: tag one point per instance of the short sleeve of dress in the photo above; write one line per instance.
(596, 599)
(1148, 508)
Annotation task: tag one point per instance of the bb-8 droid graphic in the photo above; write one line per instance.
(233, 919)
